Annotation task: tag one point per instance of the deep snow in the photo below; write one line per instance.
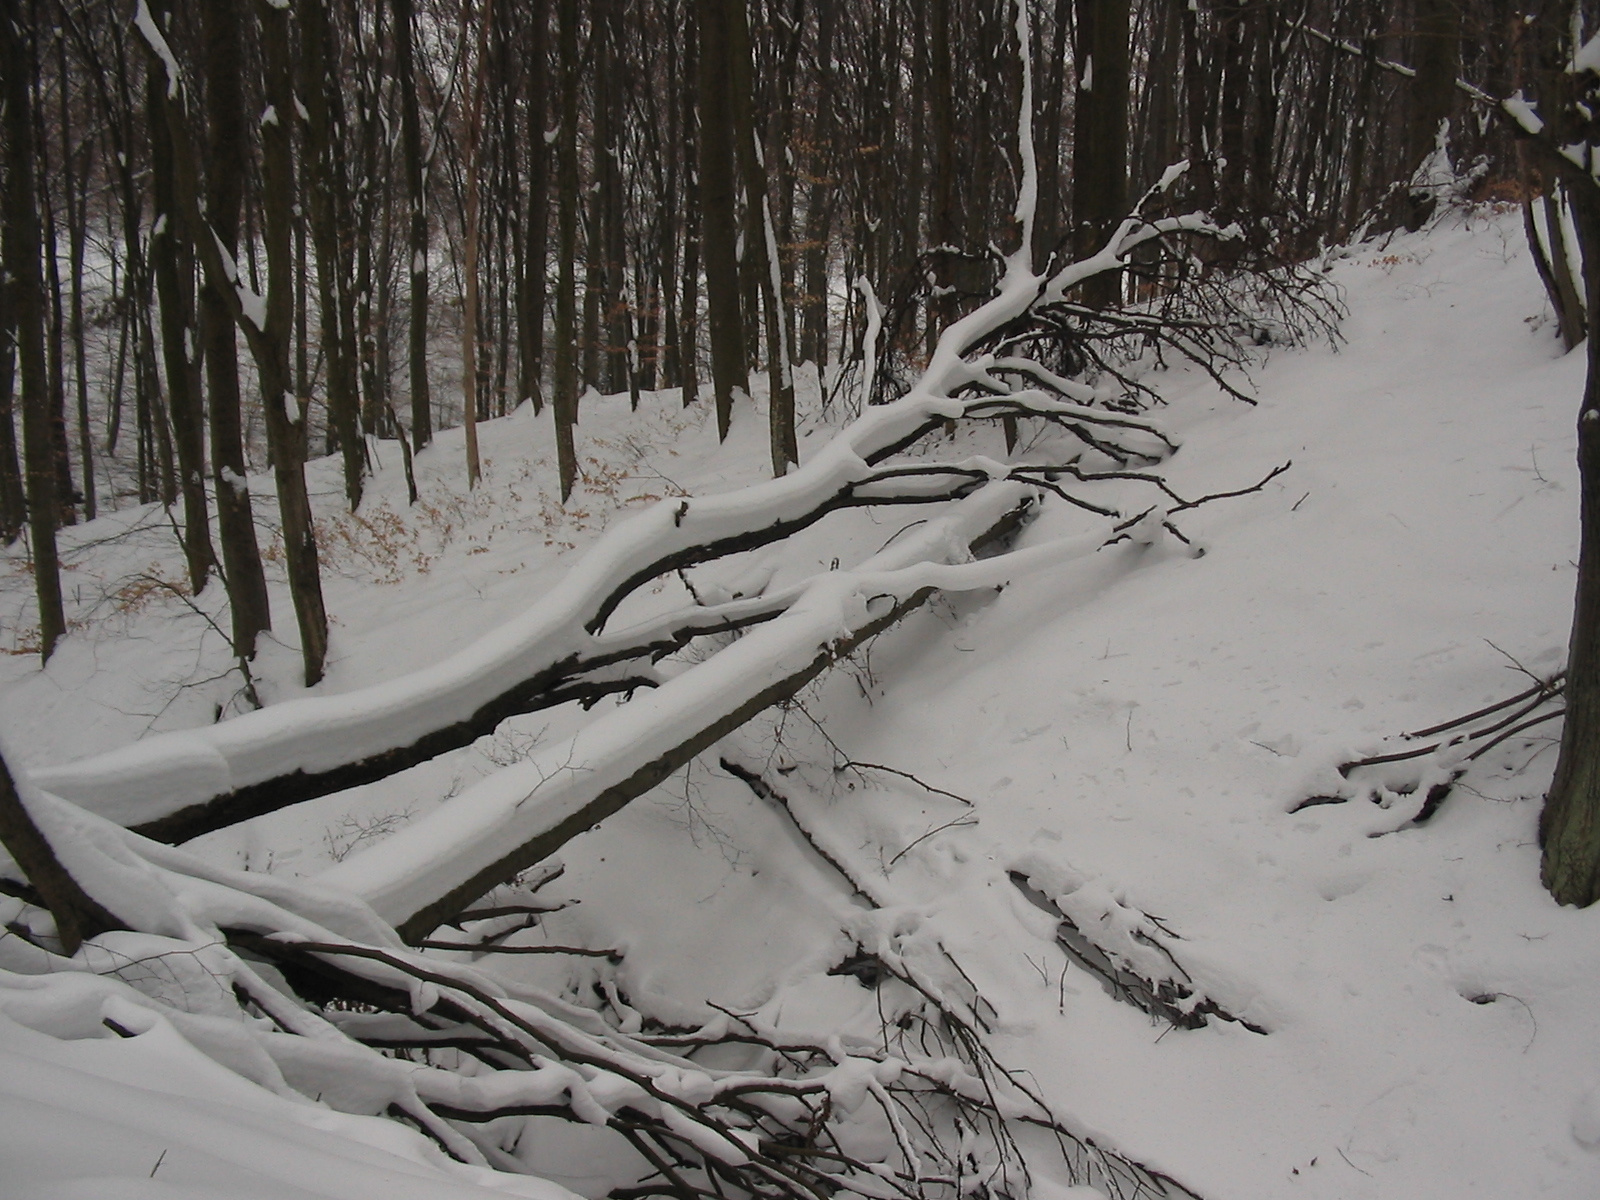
(1130, 729)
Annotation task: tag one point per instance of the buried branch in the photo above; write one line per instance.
(1107, 945)
(1449, 748)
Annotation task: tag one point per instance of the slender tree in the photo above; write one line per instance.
(174, 277)
(330, 220)
(1100, 146)
(19, 59)
(536, 215)
(226, 163)
(719, 209)
(417, 243)
(564, 406)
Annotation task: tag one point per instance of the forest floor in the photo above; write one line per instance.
(1130, 732)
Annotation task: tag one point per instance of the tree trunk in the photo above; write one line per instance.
(226, 159)
(564, 406)
(469, 267)
(1433, 95)
(1199, 96)
(1100, 151)
(75, 192)
(823, 168)
(536, 220)
(174, 267)
(616, 313)
(286, 431)
(78, 916)
(22, 245)
(1569, 826)
(331, 227)
(760, 240)
(417, 264)
(689, 303)
(719, 213)
(13, 507)
(55, 371)
(1047, 225)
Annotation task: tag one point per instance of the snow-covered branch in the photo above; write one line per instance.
(178, 785)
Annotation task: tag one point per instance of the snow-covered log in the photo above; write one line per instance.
(439, 864)
(175, 786)
(301, 986)
(241, 968)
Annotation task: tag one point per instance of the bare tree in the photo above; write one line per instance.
(266, 322)
(19, 54)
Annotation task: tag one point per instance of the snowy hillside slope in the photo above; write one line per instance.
(1125, 737)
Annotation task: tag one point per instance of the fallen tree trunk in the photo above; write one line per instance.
(297, 984)
(337, 989)
(425, 873)
(178, 785)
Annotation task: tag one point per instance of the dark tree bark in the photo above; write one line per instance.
(564, 406)
(76, 168)
(55, 325)
(760, 240)
(13, 507)
(286, 432)
(78, 916)
(942, 224)
(417, 264)
(615, 324)
(1100, 151)
(689, 304)
(18, 59)
(1569, 825)
(819, 198)
(1200, 107)
(1236, 32)
(536, 218)
(1264, 136)
(226, 159)
(331, 224)
(1433, 96)
(173, 260)
(1047, 227)
(473, 130)
(719, 210)
(594, 280)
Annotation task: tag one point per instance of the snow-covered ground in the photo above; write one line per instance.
(1130, 731)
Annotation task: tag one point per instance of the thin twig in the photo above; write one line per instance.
(958, 823)
(858, 764)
